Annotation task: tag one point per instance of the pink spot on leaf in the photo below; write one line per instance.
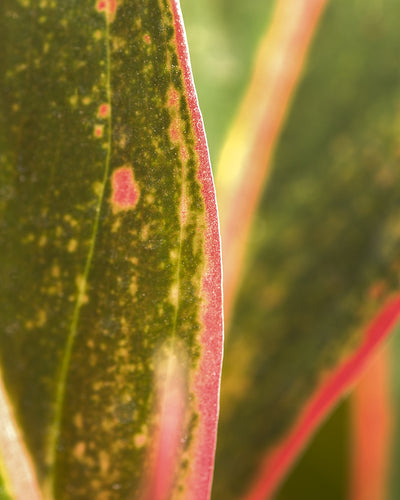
(147, 38)
(104, 110)
(125, 192)
(109, 7)
(98, 131)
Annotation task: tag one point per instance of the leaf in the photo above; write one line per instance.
(245, 159)
(109, 244)
(324, 249)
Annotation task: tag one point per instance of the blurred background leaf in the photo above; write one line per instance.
(324, 253)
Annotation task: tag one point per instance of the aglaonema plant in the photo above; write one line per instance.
(110, 272)
(319, 292)
(111, 306)
(311, 288)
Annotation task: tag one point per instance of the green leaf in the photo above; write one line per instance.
(325, 245)
(110, 263)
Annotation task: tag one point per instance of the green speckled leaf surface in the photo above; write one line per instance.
(103, 224)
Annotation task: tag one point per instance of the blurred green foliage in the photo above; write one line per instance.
(223, 36)
(324, 254)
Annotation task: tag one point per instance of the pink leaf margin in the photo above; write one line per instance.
(206, 385)
(278, 461)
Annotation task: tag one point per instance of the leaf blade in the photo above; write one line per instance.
(128, 262)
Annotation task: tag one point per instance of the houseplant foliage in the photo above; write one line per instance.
(110, 296)
(111, 293)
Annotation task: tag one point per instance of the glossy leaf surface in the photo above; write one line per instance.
(109, 244)
(324, 254)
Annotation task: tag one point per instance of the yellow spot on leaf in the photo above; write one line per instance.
(173, 254)
(104, 461)
(133, 287)
(72, 222)
(116, 225)
(80, 283)
(78, 420)
(42, 240)
(150, 199)
(118, 43)
(42, 318)
(73, 100)
(145, 232)
(72, 245)
(55, 271)
(97, 188)
(122, 140)
(79, 450)
(29, 238)
(174, 294)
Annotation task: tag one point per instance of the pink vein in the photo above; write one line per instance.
(279, 460)
(246, 156)
(20, 477)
